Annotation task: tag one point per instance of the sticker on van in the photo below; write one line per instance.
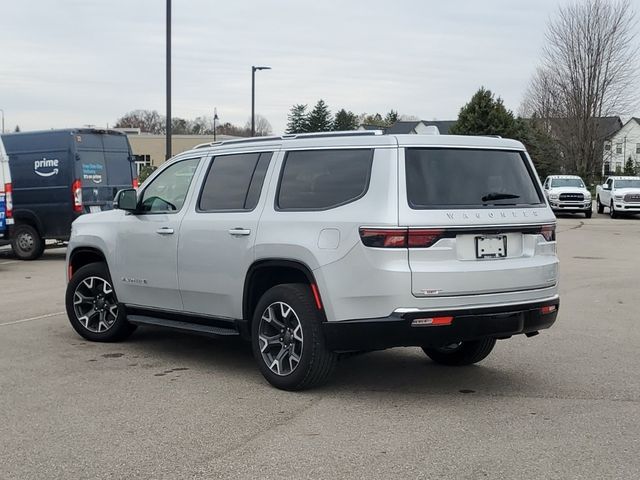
(93, 172)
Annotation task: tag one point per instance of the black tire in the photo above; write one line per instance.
(115, 325)
(26, 242)
(588, 213)
(316, 362)
(600, 206)
(612, 211)
(466, 353)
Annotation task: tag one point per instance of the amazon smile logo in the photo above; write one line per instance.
(46, 167)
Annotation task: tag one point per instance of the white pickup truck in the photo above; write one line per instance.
(620, 194)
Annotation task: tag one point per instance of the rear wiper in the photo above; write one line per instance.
(498, 196)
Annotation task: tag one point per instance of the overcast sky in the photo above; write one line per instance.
(68, 63)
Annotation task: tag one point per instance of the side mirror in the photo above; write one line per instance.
(605, 187)
(126, 200)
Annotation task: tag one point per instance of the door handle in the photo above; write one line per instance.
(165, 231)
(239, 232)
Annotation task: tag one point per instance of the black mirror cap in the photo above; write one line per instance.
(126, 200)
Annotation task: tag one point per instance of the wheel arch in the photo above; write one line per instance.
(28, 217)
(81, 256)
(265, 274)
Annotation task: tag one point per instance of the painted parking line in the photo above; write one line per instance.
(39, 317)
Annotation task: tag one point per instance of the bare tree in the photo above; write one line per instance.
(148, 121)
(263, 127)
(589, 70)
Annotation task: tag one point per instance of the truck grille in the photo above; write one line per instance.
(632, 197)
(575, 197)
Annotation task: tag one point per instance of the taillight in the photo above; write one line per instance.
(423, 238)
(548, 232)
(135, 183)
(400, 237)
(76, 191)
(8, 200)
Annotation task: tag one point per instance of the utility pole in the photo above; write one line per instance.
(253, 97)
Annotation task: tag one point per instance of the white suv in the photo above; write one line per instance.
(568, 193)
(312, 245)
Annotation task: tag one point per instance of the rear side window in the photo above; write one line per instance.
(323, 179)
(466, 178)
(234, 182)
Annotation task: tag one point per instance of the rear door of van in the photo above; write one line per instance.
(41, 170)
(104, 165)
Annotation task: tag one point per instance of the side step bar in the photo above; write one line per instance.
(196, 328)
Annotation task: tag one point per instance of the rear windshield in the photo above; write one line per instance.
(466, 178)
(567, 182)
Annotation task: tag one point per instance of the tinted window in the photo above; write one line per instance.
(321, 179)
(166, 193)
(234, 182)
(468, 178)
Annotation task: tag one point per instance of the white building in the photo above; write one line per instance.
(620, 146)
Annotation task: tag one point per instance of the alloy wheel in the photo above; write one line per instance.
(95, 305)
(280, 338)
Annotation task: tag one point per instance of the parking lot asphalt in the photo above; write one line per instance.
(564, 404)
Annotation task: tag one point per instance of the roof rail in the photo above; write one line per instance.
(291, 136)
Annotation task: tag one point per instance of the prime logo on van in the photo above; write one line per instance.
(47, 167)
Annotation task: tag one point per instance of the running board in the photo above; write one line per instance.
(196, 328)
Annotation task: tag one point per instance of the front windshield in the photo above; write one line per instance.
(628, 183)
(567, 182)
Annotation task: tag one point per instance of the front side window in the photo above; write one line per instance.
(466, 178)
(167, 192)
(323, 179)
(234, 182)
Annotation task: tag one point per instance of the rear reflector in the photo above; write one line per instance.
(400, 237)
(548, 309)
(431, 321)
(316, 296)
(135, 183)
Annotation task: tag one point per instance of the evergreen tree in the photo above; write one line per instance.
(344, 121)
(629, 167)
(391, 117)
(320, 118)
(298, 119)
(486, 115)
(17, 129)
(375, 119)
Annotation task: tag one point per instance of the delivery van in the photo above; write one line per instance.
(61, 174)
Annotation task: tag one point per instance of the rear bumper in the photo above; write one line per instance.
(396, 330)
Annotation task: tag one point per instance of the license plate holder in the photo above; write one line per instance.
(491, 246)
(95, 209)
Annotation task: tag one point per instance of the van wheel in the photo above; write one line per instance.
(287, 339)
(600, 206)
(92, 306)
(26, 242)
(461, 353)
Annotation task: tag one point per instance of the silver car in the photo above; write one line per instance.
(313, 245)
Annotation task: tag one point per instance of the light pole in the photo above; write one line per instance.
(253, 97)
(215, 117)
(168, 127)
(1, 110)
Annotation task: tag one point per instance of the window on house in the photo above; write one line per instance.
(607, 146)
(618, 148)
(637, 148)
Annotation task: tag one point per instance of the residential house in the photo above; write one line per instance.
(621, 145)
